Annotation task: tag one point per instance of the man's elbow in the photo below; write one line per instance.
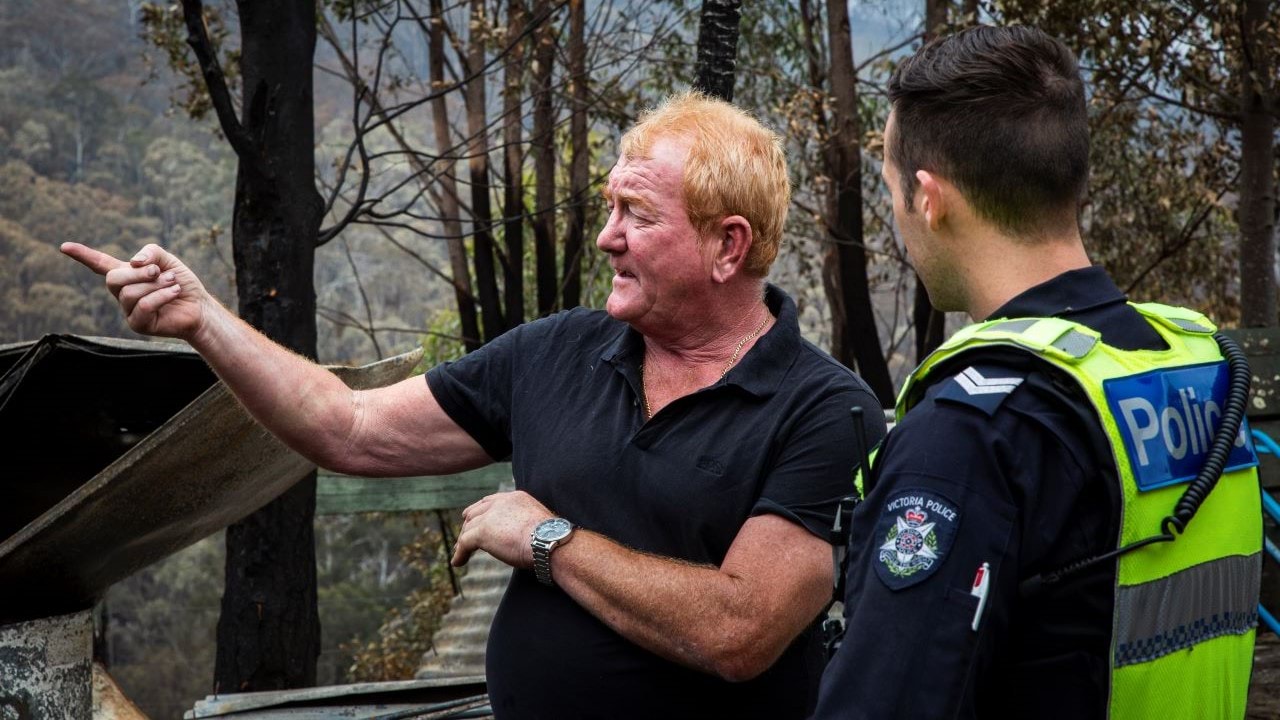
(332, 460)
(337, 455)
(327, 449)
(330, 436)
(743, 667)
(746, 656)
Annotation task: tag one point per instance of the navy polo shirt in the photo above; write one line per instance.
(562, 398)
(1022, 481)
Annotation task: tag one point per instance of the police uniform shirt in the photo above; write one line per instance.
(1002, 467)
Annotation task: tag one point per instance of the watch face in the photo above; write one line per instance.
(553, 529)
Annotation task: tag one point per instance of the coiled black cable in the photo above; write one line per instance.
(1239, 380)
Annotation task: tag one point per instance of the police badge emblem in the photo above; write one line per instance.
(910, 545)
(915, 532)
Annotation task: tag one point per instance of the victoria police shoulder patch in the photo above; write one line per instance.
(913, 536)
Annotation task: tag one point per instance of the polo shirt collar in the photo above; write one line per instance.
(759, 372)
(762, 370)
(1071, 292)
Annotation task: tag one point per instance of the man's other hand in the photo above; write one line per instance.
(158, 294)
(501, 525)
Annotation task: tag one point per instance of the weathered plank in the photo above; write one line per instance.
(1268, 463)
(1262, 347)
(341, 494)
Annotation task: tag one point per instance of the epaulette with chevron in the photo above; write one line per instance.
(984, 387)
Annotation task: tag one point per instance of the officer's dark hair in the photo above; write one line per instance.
(999, 112)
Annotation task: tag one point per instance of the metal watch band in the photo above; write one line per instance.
(542, 560)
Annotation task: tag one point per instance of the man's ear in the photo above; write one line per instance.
(931, 200)
(732, 242)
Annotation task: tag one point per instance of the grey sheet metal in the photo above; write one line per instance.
(205, 468)
(439, 697)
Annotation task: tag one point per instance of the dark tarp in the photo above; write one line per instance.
(120, 453)
(71, 405)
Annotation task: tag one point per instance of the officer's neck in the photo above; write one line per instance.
(997, 267)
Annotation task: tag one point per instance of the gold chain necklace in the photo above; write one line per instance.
(644, 388)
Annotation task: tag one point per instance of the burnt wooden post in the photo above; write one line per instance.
(46, 667)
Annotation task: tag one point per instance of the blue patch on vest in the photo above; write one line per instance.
(913, 536)
(984, 387)
(1167, 419)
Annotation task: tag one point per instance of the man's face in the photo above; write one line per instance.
(659, 266)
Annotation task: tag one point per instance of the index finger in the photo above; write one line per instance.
(95, 260)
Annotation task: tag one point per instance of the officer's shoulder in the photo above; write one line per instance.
(985, 381)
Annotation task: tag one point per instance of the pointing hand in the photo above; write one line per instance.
(158, 294)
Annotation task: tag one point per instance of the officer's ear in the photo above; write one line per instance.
(931, 201)
(731, 242)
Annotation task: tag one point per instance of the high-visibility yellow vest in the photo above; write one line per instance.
(1185, 611)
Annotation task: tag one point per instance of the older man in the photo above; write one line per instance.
(677, 458)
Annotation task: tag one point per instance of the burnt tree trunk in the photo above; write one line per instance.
(269, 628)
(574, 242)
(544, 161)
(478, 165)
(449, 206)
(717, 48)
(936, 18)
(513, 161)
(847, 258)
(817, 64)
(1257, 173)
(929, 322)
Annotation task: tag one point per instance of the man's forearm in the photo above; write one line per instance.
(718, 620)
(681, 611)
(396, 430)
(303, 404)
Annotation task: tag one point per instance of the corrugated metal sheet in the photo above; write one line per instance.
(459, 645)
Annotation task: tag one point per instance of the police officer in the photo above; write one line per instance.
(986, 574)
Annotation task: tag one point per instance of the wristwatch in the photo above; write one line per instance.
(548, 535)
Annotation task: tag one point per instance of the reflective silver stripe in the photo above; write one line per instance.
(1189, 325)
(1013, 326)
(1200, 603)
(1075, 343)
